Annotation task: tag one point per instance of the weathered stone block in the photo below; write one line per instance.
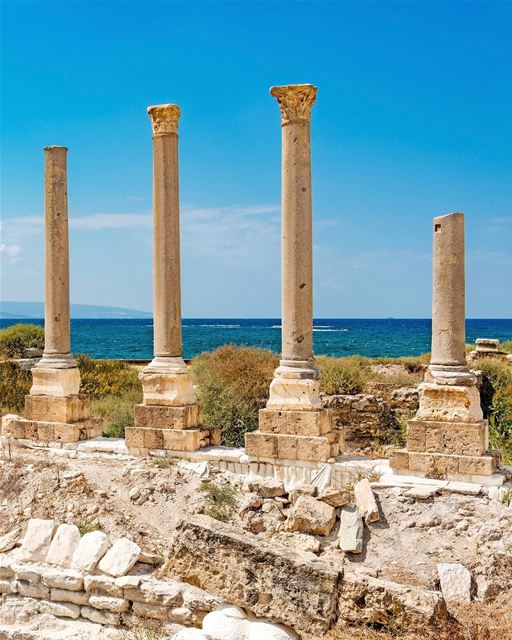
(64, 595)
(55, 382)
(106, 618)
(120, 558)
(280, 584)
(59, 609)
(449, 403)
(37, 539)
(299, 423)
(167, 417)
(55, 409)
(351, 530)
(261, 445)
(309, 515)
(63, 545)
(440, 464)
(189, 440)
(90, 550)
(468, 439)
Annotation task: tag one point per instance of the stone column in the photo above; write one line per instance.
(56, 374)
(169, 417)
(294, 426)
(166, 380)
(295, 385)
(448, 435)
(54, 409)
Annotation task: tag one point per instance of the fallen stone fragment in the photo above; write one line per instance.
(226, 623)
(37, 539)
(368, 600)
(309, 515)
(189, 634)
(243, 569)
(365, 501)
(101, 617)
(120, 558)
(298, 541)
(90, 550)
(304, 490)
(263, 630)
(63, 545)
(250, 502)
(351, 530)
(266, 487)
(421, 492)
(9, 540)
(455, 581)
(334, 497)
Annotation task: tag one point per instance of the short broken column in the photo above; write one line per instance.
(169, 417)
(294, 425)
(448, 437)
(55, 411)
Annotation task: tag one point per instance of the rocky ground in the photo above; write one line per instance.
(404, 542)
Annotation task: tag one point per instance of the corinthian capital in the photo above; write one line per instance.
(164, 118)
(295, 101)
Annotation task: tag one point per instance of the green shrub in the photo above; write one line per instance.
(507, 346)
(116, 412)
(220, 500)
(343, 375)
(496, 395)
(102, 378)
(18, 337)
(15, 383)
(232, 386)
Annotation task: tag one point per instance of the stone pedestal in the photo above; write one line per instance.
(487, 348)
(54, 410)
(448, 436)
(169, 417)
(294, 425)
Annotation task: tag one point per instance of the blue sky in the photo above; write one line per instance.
(412, 120)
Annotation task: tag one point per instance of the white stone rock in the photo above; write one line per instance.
(9, 540)
(189, 634)
(107, 603)
(120, 558)
(365, 501)
(455, 582)
(421, 492)
(63, 545)
(63, 579)
(263, 630)
(37, 539)
(226, 623)
(64, 595)
(90, 550)
(351, 530)
(59, 609)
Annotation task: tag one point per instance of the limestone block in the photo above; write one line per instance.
(455, 581)
(299, 541)
(91, 548)
(226, 623)
(37, 539)
(167, 417)
(189, 440)
(56, 382)
(199, 600)
(57, 409)
(351, 530)
(120, 558)
(304, 590)
(63, 545)
(189, 634)
(303, 490)
(168, 439)
(263, 630)
(159, 592)
(300, 423)
(59, 609)
(287, 447)
(103, 585)
(334, 497)
(365, 501)
(6, 568)
(64, 595)
(309, 515)
(68, 579)
(166, 388)
(8, 587)
(152, 611)
(118, 605)
(449, 403)
(107, 618)
(30, 590)
(29, 572)
(468, 439)
(290, 394)
(266, 487)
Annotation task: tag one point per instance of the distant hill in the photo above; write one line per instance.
(23, 310)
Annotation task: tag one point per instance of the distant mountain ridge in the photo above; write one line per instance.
(12, 310)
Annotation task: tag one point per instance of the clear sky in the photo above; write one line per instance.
(413, 119)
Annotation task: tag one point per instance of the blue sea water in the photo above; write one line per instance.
(133, 338)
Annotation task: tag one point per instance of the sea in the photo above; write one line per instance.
(132, 339)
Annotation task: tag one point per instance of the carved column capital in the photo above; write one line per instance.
(295, 101)
(164, 118)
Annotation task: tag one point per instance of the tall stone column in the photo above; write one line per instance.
(294, 425)
(54, 409)
(169, 417)
(448, 436)
(56, 374)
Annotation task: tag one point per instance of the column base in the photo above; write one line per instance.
(453, 438)
(167, 381)
(48, 432)
(67, 409)
(295, 435)
(449, 403)
(170, 428)
(440, 465)
(56, 382)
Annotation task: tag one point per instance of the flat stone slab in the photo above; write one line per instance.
(421, 492)
(266, 579)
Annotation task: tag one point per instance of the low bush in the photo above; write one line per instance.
(15, 383)
(102, 378)
(232, 386)
(220, 500)
(507, 346)
(496, 395)
(343, 375)
(14, 340)
(116, 412)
